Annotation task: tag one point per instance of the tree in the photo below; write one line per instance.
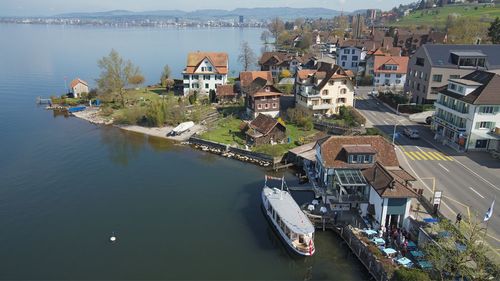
(460, 253)
(285, 74)
(265, 36)
(247, 56)
(276, 27)
(115, 75)
(405, 274)
(494, 31)
(169, 84)
(466, 31)
(306, 41)
(136, 80)
(165, 75)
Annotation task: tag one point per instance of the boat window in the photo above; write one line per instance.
(301, 238)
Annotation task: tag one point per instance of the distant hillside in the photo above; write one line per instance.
(257, 13)
(436, 17)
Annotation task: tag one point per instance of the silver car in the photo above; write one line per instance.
(411, 133)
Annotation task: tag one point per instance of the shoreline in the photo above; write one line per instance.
(92, 115)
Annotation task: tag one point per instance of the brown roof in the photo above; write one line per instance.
(218, 60)
(336, 73)
(76, 82)
(386, 184)
(263, 124)
(359, 148)
(303, 74)
(335, 156)
(260, 87)
(225, 90)
(247, 77)
(282, 58)
(402, 62)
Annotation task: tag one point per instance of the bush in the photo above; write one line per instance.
(351, 116)
(405, 274)
(131, 116)
(106, 111)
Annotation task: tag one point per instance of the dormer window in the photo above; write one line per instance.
(360, 159)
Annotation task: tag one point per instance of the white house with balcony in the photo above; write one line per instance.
(324, 91)
(467, 112)
(204, 72)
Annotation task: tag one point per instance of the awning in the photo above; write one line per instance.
(350, 177)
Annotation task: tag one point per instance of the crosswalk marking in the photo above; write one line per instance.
(427, 156)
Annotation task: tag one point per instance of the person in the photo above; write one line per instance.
(459, 218)
(335, 217)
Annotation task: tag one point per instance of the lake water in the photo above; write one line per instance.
(66, 185)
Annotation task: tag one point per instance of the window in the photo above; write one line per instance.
(484, 125)
(454, 76)
(206, 86)
(206, 77)
(343, 64)
(343, 91)
(195, 85)
(368, 159)
(421, 74)
(343, 58)
(266, 106)
(325, 92)
(488, 109)
(203, 68)
(387, 82)
(425, 77)
(355, 58)
(275, 105)
(195, 77)
(218, 77)
(481, 143)
(344, 82)
(452, 86)
(420, 61)
(398, 81)
(259, 106)
(387, 75)
(416, 73)
(331, 82)
(186, 86)
(354, 64)
(186, 77)
(437, 78)
(360, 158)
(418, 86)
(347, 51)
(461, 89)
(399, 75)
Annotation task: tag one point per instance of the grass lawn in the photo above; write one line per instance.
(430, 18)
(226, 131)
(296, 135)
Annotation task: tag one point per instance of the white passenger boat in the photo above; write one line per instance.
(288, 219)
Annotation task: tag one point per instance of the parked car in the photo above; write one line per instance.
(411, 133)
(373, 93)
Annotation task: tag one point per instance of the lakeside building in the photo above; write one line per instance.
(265, 130)
(78, 87)
(263, 98)
(432, 65)
(325, 90)
(390, 71)
(468, 112)
(205, 71)
(363, 173)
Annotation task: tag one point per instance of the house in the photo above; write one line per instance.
(205, 71)
(363, 172)
(247, 77)
(276, 62)
(265, 130)
(263, 98)
(433, 64)
(226, 93)
(78, 87)
(351, 54)
(468, 112)
(390, 71)
(410, 41)
(324, 91)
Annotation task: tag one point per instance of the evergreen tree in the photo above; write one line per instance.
(494, 31)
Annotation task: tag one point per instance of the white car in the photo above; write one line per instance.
(373, 93)
(411, 133)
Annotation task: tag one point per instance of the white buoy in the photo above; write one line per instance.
(112, 238)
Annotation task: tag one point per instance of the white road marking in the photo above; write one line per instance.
(421, 150)
(443, 167)
(476, 192)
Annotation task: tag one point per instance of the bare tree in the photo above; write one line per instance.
(165, 75)
(276, 27)
(265, 36)
(136, 80)
(247, 56)
(115, 75)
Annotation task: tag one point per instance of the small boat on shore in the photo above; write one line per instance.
(293, 226)
(181, 128)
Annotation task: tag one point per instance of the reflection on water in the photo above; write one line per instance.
(123, 146)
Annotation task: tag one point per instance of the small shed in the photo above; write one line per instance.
(265, 130)
(225, 93)
(78, 87)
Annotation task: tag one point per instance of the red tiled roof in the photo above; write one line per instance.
(402, 63)
(76, 82)
(334, 155)
(218, 60)
(263, 124)
(247, 77)
(303, 74)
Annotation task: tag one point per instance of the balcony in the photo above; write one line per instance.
(439, 119)
(323, 106)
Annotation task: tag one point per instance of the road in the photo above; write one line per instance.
(469, 181)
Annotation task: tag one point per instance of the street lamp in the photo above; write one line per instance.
(396, 123)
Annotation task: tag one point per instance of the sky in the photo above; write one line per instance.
(53, 7)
